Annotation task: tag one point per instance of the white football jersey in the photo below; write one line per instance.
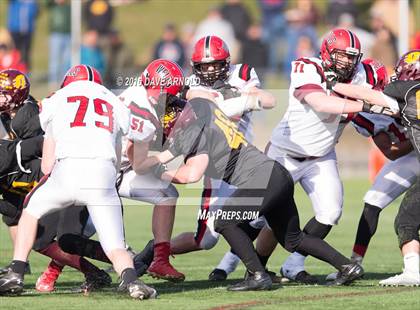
(304, 132)
(243, 77)
(369, 125)
(85, 119)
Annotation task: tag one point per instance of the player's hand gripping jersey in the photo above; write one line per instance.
(81, 114)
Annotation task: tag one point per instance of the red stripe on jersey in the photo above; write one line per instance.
(306, 89)
(40, 183)
(400, 135)
(205, 207)
(364, 123)
(370, 75)
(319, 69)
(245, 72)
(144, 113)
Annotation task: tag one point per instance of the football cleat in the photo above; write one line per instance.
(348, 274)
(11, 283)
(403, 279)
(143, 259)
(274, 278)
(5, 270)
(95, 281)
(301, 277)
(217, 275)
(164, 270)
(46, 281)
(259, 281)
(138, 290)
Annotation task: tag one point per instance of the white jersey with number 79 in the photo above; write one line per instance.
(85, 119)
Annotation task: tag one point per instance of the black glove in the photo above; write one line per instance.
(227, 90)
(331, 79)
(159, 169)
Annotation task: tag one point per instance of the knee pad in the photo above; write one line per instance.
(317, 229)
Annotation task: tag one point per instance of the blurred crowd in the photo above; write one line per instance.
(286, 30)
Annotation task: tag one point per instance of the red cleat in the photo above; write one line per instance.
(46, 282)
(161, 268)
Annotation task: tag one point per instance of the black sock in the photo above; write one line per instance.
(263, 259)
(18, 266)
(320, 249)
(367, 227)
(128, 275)
(317, 229)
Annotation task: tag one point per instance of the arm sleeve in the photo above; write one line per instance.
(31, 148)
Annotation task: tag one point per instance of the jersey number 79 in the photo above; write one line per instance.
(99, 105)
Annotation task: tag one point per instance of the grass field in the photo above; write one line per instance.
(383, 260)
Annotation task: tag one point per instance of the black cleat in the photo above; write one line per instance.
(138, 290)
(5, 270)
(95, 281)
(274, 278)
(258, 281)
(217, 275)
(11, 283)
(306, 278)
(348, 274)
(143, 259)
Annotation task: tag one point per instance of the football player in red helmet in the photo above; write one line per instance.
(161, 81)
(81, 73)
(340, 53)
(401, 95)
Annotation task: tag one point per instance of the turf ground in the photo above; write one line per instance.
(383, 260)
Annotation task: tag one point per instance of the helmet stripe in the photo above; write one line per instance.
(351, 38)
(90, 73)
(207, 47)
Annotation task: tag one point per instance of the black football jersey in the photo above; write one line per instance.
(231, 157)
(407, 93)
(20, 165)
(25, 123)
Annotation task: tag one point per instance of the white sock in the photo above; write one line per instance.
(229, 262)
(294, 264)
(411, 263)
(356, 258)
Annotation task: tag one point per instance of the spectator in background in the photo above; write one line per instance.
(21, 17)
(236, 13)
(274, 29)
(336, 8)
(9, 55)
(214, 24)
(255, 51)
(384, 47)
(416, 41)
(121, 59)
(90, 53)
(304, 47)
(302, 22)
(346, 21)
(169, 46)
(60, 40)
(187, 40)
(99, 15)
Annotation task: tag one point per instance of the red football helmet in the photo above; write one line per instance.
(210, 52)
(81, 73)
(408, 67)
(340, 53)
(162, 77)
(379, 72)
(14, 89)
